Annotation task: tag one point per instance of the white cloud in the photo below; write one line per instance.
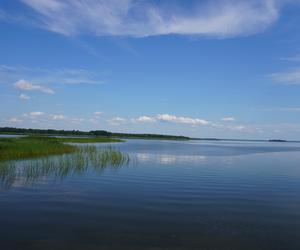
(144, 119)
(28, 86)
(117, 121)
(247, 128)
(24, 97)
(216, 18)
(290, 78)
(171, 119)
(66, 119)
(238, 128)
(15, 120)
(97, 114)
(94, 121)
(38, 119)
(76, 120)
(228, 119)
(58, 117)
(181, 119)
(36, 113)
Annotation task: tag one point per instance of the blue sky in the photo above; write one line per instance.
(228, 69)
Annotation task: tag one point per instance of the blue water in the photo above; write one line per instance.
(172, 195)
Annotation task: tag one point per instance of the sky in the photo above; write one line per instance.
(218, 68)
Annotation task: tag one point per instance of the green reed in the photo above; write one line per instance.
(37, 146)
(32, 147)
(85, 158)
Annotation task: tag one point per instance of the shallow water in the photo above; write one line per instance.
(172, 195)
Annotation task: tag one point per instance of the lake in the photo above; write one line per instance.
(172, 195)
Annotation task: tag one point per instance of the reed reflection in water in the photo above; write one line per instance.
(86, 157)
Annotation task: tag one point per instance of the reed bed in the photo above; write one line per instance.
(85, 158)
(37, 146)
(32, 147)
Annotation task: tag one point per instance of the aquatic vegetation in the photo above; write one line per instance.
(33, 146)
(85, 158)
(8, 173)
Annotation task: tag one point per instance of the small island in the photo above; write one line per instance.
(277, 140)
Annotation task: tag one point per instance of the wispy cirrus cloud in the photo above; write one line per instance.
(2, 14)
(295, 58)
(282, 109)
(216, 18)
(291, 77)
(28, 86)
(10, 74)
(45, 120)
(228, 119)
(34, 114)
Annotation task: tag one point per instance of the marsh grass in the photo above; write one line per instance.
(37, 146)
(32, 147)
(85, 158)
(8, 173)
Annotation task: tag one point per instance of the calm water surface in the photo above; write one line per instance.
(9, 136)
(172, 195)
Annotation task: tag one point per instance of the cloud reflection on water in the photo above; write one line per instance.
(167, 159)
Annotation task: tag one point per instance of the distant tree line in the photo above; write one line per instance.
(103, 133)
(9, 130)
